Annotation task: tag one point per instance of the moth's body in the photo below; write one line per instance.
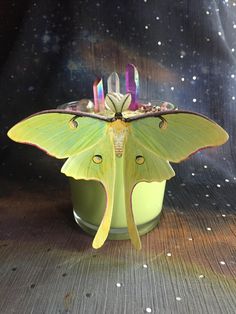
(119, 130)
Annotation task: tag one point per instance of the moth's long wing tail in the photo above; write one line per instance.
(96, 163)
(105, 224)
(132, 228)
(140, 165)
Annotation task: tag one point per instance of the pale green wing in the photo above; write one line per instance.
(140, 164)
(59, 133)
(82, 138)
(96, 163)
(153, 140)
(176, 135)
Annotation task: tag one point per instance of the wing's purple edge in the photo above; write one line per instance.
(73, 113)
(163, 113)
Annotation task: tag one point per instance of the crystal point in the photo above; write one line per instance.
(132, 84)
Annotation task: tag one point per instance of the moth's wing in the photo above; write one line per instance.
(179, 135)
(140, 164)
(83, 166)
(159, 138)
(57, 134)
(62, 136)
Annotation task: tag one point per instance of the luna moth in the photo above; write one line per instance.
(145, 140)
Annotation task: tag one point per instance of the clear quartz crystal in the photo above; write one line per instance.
(113, 83)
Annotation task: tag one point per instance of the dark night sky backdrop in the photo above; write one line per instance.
(51, 51)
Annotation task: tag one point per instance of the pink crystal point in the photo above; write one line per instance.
(98, 94)
(132, 84)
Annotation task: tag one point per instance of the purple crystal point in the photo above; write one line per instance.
(132, 85)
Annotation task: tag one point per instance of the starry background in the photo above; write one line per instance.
(52, 52)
